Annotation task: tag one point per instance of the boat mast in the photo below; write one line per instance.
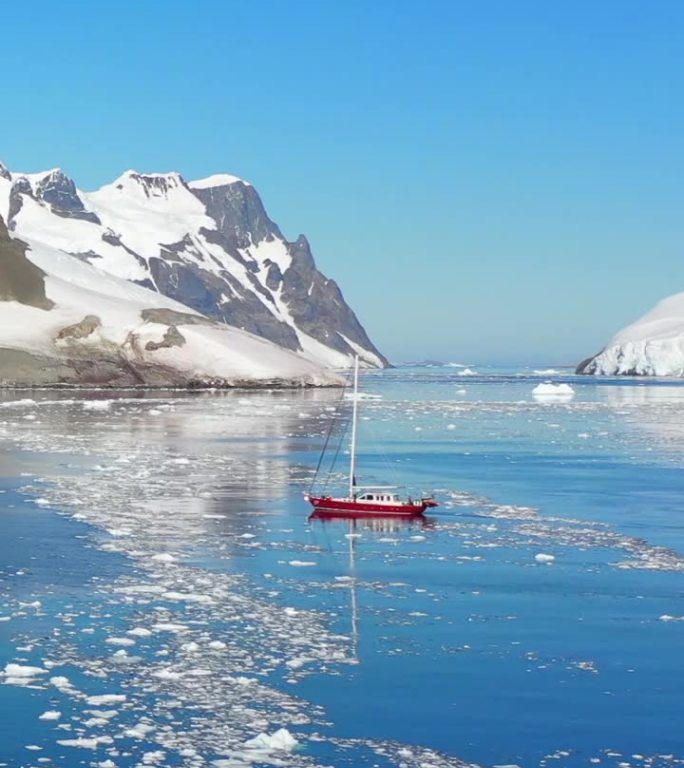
(352, 468)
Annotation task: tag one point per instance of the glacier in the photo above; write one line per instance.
(651, 346)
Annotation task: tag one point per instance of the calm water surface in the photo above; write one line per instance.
(164, 598)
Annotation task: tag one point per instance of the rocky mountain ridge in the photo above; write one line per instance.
(208, 244)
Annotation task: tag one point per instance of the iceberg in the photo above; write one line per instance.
(651, 346)
(549, 391)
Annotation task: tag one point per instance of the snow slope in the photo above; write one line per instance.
(208, 244)
(652, 346)
(132, 323)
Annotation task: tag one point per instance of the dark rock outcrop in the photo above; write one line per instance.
(156, 184)
(20, 279)
(315, 303)
(222, 297)
(239, 214)
(587, 366)
(59, 192)
(82, 329)
(165, 316)
(172, 338)
(318, 306)
(97, 369)
(20, 187)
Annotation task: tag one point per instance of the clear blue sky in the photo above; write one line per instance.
(487, 181)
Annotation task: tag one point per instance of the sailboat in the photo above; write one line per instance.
(366, 501)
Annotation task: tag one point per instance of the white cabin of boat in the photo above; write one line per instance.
(377, 495)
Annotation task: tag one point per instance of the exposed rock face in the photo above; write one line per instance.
(157, 184)
(4, 173)
(317, 305)
(22, 368)
(88, 325)
(172, 338)
(20, 188)
(205, 291)
(59, 192)
(18, 368)
(587, 365)
(239, 214)
(20, 280)
(165, 316)
(208, 244)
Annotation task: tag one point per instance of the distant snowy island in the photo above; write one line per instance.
(430, 364)
(651, 346)
(155, 281)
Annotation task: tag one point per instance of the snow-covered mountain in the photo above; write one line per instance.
(64, 321)
(652, 346)
(208, 244)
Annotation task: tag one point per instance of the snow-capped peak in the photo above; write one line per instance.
(148, 184)
(36, 179)
(217, 180)
(209, 244)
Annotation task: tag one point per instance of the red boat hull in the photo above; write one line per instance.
(347, 507)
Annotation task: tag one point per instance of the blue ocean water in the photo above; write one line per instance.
(157, 551)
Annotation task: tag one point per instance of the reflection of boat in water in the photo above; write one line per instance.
(380, 524)
(370, 522)
(366, 501)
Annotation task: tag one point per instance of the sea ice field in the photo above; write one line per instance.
(166, 601)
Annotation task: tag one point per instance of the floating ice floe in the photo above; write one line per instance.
(86, 743)
(281, 740)
(25, 402)
(541, 557)
(550, 391)
(467, 372)
(106, 698)
(139, 632)
(585, 666)
(19, 674)
(188, 597)
(119, 641)
(50, 714)
(164, 557)
(97, 405)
